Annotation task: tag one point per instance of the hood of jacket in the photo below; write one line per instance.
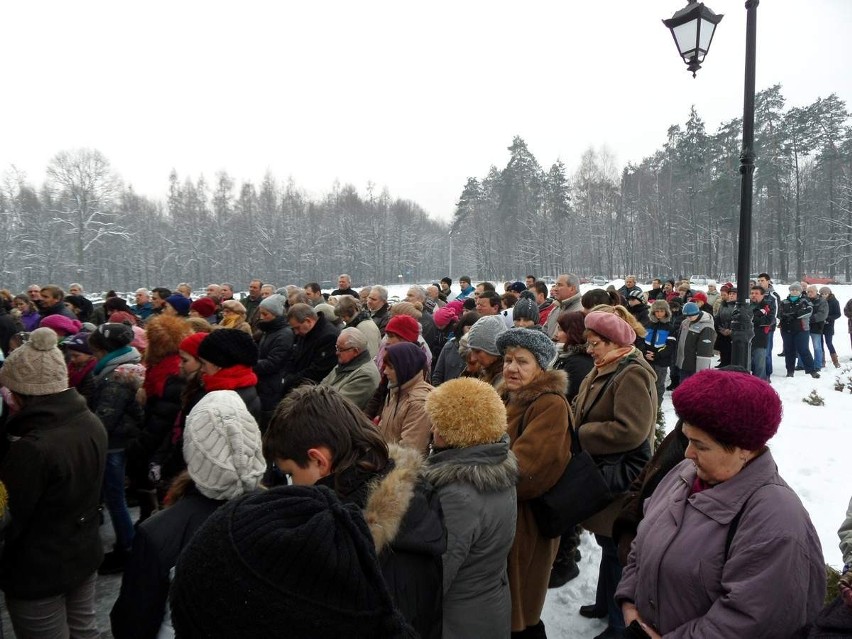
(705, 321)
(487, 467)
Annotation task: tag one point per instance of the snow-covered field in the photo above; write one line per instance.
(810, 448)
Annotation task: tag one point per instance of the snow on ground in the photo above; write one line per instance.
(810, 450)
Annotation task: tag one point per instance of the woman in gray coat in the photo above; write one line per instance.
(726, 548)
(475, 474)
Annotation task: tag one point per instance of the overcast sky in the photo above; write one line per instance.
(415, 97)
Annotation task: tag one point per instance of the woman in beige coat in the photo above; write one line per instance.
(614, 413)
(404, 420)
(538, 425)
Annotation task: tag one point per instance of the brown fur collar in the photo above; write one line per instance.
(549, 381)
(390, 496)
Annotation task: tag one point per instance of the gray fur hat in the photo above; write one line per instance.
(483, 335)
(532, 339)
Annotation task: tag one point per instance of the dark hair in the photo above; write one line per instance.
(508, 299)
(114, 304)
(530, 276)
(487, 286)
(541, 287)
(447, 280)
(764, 276)
(465, 278)
(312, 416)
(492, 297)
(469, 304)
(161, 291)
(759, 288)
(594, 297)
(573, 325)
(468, 319)
(313, 287)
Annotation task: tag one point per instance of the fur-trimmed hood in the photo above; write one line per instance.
(398, 506)
(487, 467)
(550, 381)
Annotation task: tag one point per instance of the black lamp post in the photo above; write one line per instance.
(692, 28)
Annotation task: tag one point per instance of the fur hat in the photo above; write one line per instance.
(37, 367)
(661, 305)
(191, 343)
(273, 304)
(534, 340)
(407, 359)
(483, 335)
(61, 325)
(235, 306)
(611, 327)
(179, 303)
(292, 560)
(748, 423)
(204, 306)
(691, 308)
(525, 308)
(466, 412)
(78, 343)
(111, 336)
(222, 446)
(226, 347)
(164, 333)
(406, 327)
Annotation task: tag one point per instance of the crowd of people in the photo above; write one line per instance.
(345, 464)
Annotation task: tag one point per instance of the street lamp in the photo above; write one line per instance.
(692, 29)
(742, 325)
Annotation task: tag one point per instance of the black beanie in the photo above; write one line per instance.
(226, 347)
(407, 359)
(111, 336)
(291, 561)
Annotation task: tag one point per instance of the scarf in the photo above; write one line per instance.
(231, 378)
(102, 363)
(612, 356)
(77, 375)
(157, 375)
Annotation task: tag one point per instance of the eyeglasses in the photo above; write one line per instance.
(591, 344)
(343, 350)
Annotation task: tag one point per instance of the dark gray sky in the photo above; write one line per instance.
(412, 96)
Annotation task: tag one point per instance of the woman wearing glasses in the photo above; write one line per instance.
(614, 415)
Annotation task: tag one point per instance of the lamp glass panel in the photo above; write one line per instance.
(685, 35)
(706, 34)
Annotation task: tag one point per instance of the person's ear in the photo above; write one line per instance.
(322, 458)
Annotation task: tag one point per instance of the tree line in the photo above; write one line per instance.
(675, 213)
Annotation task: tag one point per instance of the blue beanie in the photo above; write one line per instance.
(179, 303)
(691, 308)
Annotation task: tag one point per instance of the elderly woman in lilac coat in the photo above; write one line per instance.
(726, 548)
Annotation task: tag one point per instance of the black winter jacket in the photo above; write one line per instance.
(274, 360)
(113, 400)
(576, 363)
(160, 415)
(53, 460)
(314, 355)
(794, 317)
(141, 605)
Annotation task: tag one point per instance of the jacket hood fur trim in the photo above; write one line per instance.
(550, 381)
(484, 477)
(391, 495)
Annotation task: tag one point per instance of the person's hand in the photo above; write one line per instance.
(155, 472)
(649, 356)
(630, 612)
(846, 587)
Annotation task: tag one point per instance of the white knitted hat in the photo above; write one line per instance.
(37, 367)
(222, 446)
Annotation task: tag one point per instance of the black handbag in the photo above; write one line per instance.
(620, 469)
(579, 493)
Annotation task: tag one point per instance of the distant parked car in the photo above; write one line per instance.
(598, 280)
(698, 280)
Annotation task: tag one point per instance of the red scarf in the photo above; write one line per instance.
(157, 375)
(77, 375)
(230, 378)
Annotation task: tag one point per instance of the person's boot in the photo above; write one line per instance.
(835, 360)
(814, 374)
(114, 562)
(564, 567)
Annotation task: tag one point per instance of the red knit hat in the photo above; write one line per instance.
(190, 344)
(700, 296)
(204, 306)
(749, 422)
(611, 327)
(405, 326)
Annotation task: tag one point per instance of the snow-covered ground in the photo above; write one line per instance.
(810, 450)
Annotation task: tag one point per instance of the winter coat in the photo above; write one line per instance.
(668, 455)
(370, 329)
(639, 312)
(30, 320)
(435, 339)
(159, 417)
(314, 355)
(616, 417)
(819, 314)
(695, 344)
(762, 320)
(57, 309)
(845, 534)
(403, 512)
(770, 583)
(274, 360)
(141, 605)
(576, 363)
(558, 308)
(725, 316)
(53, 467)
(404, 420)
(795, 317)
(8, 327)
(833, 314)
(114, 397)
(381, 317)
(449, 365)
(356, 380)
(543, 450)
(476, 486)
(661, 340)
